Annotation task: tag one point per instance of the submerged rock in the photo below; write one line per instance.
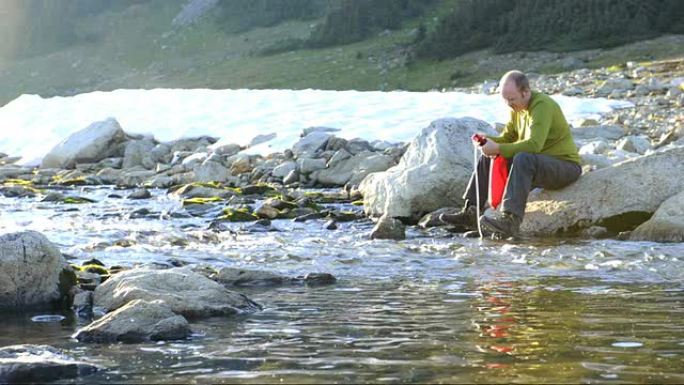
(241, 277)
(187, 293)
(137, 321)
(30, 270)
(20, 364)
(432, 173)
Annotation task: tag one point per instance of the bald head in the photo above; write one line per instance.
(515, 89)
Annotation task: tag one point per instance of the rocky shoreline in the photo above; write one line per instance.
(638, 149)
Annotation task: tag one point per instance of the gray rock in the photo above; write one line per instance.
(432, 173)
(239, 164)
(618, 197)
(310, 130)
(594, 147)
(666, 225)
(609, 132)
(282, 170)
(432, 219)
(357, 146)
(308, 165)
(226, 149)
(615, 84)
(142, 193)
(12, 171)
(571, 63)
(267, 211)
(190, 191)
(187, 293)
(335, 144)
(210, 171)
(310, 144)
(109, 175)
(338, 157)
(353, 170)
(388, 228)
(291, 177)
(30, 270)
(597, 161)
(21, 364)
(136, 151)
(259, 139)
(632, 143)
(98, 141)
(330, 225)
(240, 277)
(137, 321)
(195, 159)
(160, 153)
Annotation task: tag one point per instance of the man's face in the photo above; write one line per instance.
(515, 99)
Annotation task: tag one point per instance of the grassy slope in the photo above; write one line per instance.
(141, 50)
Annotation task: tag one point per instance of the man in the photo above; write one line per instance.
(539, 148)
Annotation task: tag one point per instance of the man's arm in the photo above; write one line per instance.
(539, 131)
(509, 133)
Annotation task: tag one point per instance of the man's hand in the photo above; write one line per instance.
(491, 148)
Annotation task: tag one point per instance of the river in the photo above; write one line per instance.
(436, 308)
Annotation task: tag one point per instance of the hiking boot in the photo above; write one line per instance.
(466, 218)
(501, 223)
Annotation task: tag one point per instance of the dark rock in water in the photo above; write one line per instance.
(595, 232)
(345, 216)
(83, 304)
(175, 262)
(53, 197)
(142, 213)
(114, 196)
(93, 261)
(388, 228)
(331, 225)
(39, 364)
(258, 189)
(140, 194)
(241, 277)
(17, 192)
(432, 219)
(137, 321)
(260, 226)
(308, 217)
(319, 279)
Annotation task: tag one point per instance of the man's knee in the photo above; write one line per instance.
(524, 160)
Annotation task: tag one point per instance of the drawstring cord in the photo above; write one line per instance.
(477, 188)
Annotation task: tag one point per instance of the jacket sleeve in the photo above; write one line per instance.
(509, 133)
(541, 117)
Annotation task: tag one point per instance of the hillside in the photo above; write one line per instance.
(137, 44)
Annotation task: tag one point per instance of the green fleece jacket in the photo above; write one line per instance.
(541, 129)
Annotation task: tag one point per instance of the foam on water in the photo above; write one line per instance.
(32, 125)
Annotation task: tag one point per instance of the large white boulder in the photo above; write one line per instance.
(98, 141)
(433, 172)
(30, 269)
(186, 292)
(619, 197)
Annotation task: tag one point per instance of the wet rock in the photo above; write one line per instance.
(142, 193)
(98, 141)
(357, 146)
(237, 215)
(437, 163)
(595, 232)
(137, 321)
(267, 211)
(83, 303)
(608, 197)
(310, 216)
(432, 219)
(330, 225)
(666, 225)
(18, 191)
(187, 293)
(388, 228)
(193, 191)
(30, 270)
(241, 277)
(21, 364)
(338, 157)
(240, 164)
(319, 279)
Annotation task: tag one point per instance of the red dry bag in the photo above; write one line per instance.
(498, 176)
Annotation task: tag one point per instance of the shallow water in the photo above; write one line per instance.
(433, 308)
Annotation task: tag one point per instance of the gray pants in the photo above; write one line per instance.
(526, 171)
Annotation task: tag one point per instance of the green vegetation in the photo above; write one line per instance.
(320, 44)
(237, 215)
(201, 201)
